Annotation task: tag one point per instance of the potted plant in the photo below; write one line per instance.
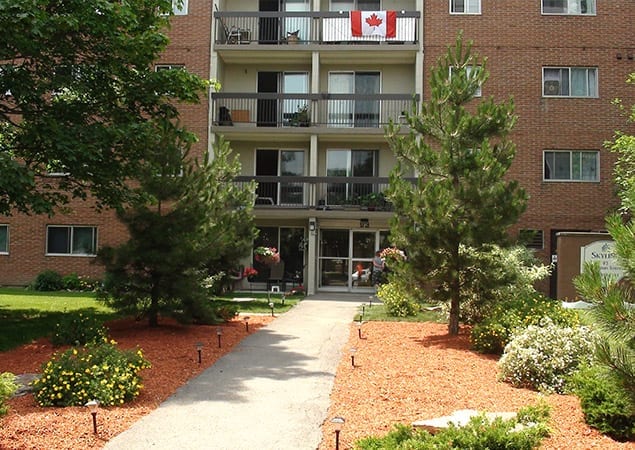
(267, 255)
(372, 201)
(301, 117)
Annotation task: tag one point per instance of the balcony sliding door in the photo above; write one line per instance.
(349, 163)
(354, 112)
(280, 163)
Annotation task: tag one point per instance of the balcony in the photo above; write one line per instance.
(302, 28)
(272, 110)
(321, 193)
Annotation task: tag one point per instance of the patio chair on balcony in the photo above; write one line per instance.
(234, 34)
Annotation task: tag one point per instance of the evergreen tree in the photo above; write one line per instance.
(614, 311)
(199, 220)
(458, 147)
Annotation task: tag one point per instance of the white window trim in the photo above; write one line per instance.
(5, 251)
(479, 91)
(464, 13)
(542, 11)
(81, 255)
(571, 180)
(159, 67)
(597, 82)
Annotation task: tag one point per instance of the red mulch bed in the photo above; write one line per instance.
(403, 372)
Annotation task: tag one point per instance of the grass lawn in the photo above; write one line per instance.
(29, 315)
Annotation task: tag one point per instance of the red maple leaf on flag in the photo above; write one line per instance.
(373, 20)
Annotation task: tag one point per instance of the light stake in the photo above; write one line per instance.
(199, 349)
(353, 350)
(359, 329)
(370, 301)
(363, 309)
(219, 333)
(92, 406)
(283, 296)
(338, 423)
(247, 324)
(271, 306)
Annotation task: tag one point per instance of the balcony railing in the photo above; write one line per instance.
(326, 193)
(304, 110)
(281, 28)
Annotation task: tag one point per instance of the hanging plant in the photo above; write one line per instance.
(267, 255)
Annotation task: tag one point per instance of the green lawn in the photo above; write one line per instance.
(28, 315)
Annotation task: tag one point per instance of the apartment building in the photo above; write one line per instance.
(307, 88)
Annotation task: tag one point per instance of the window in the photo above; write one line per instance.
(470, 70)
(570, 82)
(565, 165)
(179, 7)
(532, 239)
(349, 163)
(350, 111)
(573, 7)
(4, 239)
(71, 240)
(465, 6)
(285, 163)
(355, 5)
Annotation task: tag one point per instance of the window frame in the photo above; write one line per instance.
(593, 91)
(452, 8)
(479, 91)
(570, 178)
(5, 250)
(71, 243)
(161, 66)
(593, 4)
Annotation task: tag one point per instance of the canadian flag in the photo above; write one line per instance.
(374, 23)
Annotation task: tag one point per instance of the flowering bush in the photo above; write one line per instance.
(544, 355)
(396, 300)
(392, 253)
(267, 255)
(7, 388)
(96, 371)
(249, 272)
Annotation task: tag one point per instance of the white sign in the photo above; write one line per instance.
(603, 253)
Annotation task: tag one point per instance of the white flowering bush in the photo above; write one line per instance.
(542, 356)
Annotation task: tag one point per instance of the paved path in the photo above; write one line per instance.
(270, 393)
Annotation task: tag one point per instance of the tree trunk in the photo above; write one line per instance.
(453, 327)
(153, 312)
(455, 293)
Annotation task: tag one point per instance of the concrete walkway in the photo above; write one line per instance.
(270, 393)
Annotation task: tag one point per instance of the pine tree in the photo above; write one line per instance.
(458, 147)
(196, 221)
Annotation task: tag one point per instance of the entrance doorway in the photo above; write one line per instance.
(346, 258)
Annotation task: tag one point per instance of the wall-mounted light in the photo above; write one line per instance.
(312, 225)
(364, 223)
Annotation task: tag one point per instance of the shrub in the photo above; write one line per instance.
(7, 388)
(49, 280)
(604, 407)
(96, 371)
(478, 434)
(495, 332)
(542, 356)
(78, 329)
(74, 282)
(396, 300)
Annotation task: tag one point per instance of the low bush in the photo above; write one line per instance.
(48, 280)
(603, 406)
(74, 282)
(396, 300)
(479, 434)
(542, 356)
(94, 372)
(495, 332)
(78, 329)
(7, 389)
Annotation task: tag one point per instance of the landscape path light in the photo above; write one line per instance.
(219, 333)
(370, 301)
(338, 423)
(271, 306)
(247, 324)
(353, 350)
(359, 328)
(199, 350)
(92, 406)
(363, 309)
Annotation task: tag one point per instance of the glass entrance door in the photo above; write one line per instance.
(346, 259)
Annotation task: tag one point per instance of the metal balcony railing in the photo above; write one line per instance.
(327, 193)
(304, 110)
(290, 28)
